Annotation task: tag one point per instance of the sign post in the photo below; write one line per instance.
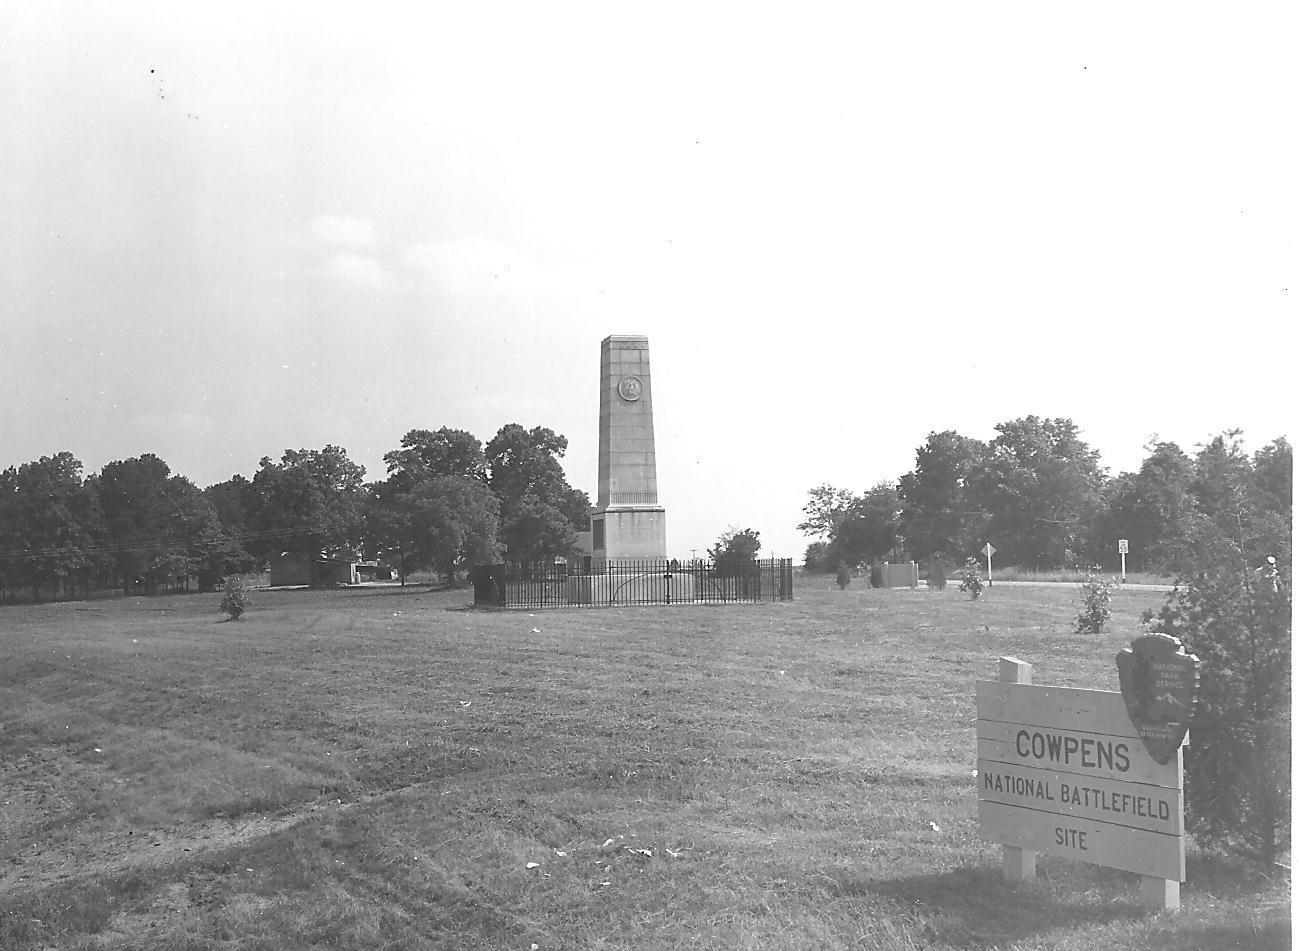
(989, 551)
(1123, 560)
(1065, 772)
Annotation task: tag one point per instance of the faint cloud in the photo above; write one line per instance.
(340, 230)
(356, 270)
(476, 266)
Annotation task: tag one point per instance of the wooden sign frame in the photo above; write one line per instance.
(1064, 772)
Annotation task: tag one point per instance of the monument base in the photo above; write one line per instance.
(628, 534)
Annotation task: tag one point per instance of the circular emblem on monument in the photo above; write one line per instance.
(629, 388)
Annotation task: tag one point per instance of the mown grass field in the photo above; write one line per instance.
(379, 768)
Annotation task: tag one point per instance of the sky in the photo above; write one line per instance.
(229, 230)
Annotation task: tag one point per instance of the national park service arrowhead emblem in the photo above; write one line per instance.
(1158, 680)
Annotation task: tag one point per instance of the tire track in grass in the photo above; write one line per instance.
(121, 854)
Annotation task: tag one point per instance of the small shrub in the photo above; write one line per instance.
(971, 575)
(236, 600)
(937, 574)
(842, 576)
(1097, 589)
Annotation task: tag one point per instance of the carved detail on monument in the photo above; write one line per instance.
(629, 388)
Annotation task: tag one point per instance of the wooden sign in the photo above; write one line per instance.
(1064, 772)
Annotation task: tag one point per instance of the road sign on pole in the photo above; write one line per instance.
(989, 551)
(1123, 560)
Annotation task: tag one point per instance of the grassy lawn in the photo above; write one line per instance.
(379, 768)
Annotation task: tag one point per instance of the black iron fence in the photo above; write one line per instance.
(624, 581)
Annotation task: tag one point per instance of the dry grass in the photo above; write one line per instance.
(377, 768)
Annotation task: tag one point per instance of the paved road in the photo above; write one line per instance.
(1074, 584)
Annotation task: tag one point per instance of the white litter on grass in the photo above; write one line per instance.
(560, 853)
(607, 843)
(934, 825)
(675, 855)
(536, 630)
(465, 703)
(782, 673)
(646, 852)
(534, 865)
(98, 750)
(606, 883)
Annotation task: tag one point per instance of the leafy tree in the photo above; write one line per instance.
(1152, 508)
(538, 531)
(1040, 485)
(137, 514)
(1237, 620)
(869, 530)
(11, 544)
(937, 511)
(310, 502)
(50, 522)
(233, 502)
(1273, 477)
(826, 507)
(206, 550)
(425, 454)
(388, 527)
(540, 511)
(1222, 470)
(735, 552)
(442, 522)
(159, 526)
(817, 557)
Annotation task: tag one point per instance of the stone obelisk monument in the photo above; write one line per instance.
(628, 523)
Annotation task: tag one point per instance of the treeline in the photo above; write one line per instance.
(1038, 494)
(448, 501)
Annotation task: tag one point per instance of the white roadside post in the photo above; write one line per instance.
(1123, 560)
(989, 551)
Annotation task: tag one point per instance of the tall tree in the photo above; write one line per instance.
(826, 507)
(425, 454)
(540, 511)
(137, 515)
(869, 530)
(1273, 481)
(444, 522)
(51, 522)
(1152, 508)
(309, 503)
(1040, 486)
(232, 501)
(1221, 468)
(937, 514)
(1234, 612)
